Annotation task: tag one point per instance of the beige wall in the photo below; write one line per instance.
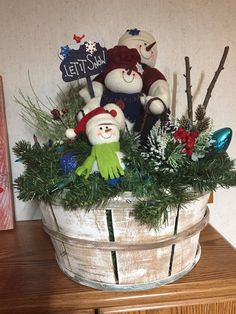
(31, 31)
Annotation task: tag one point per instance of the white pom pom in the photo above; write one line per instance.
(70, 133)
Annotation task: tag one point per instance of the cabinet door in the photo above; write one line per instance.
(227, 307)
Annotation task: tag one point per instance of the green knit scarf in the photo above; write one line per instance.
(107, 160)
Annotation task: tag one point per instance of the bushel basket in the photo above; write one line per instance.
(106, 248)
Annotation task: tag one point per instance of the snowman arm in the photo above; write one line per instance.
(158, 98)
(161, 90)
(98, 90)
(91, 105)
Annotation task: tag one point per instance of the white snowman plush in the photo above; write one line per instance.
(155, 85)
(123, 85)
(103, 131)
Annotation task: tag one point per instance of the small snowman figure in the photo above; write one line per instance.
(103, 131)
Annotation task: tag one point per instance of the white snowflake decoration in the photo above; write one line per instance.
(90, 46)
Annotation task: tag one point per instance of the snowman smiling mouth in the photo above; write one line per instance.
(128, 78)
(107, 134)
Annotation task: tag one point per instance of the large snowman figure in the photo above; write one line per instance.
(154, 82)
(154, 85)
(103, 131)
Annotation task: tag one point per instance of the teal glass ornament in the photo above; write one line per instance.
(222, 138)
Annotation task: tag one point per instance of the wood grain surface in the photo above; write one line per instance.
(31, 281)
(6, 197)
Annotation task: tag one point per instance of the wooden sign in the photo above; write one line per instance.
(88, 60)
(6, 195)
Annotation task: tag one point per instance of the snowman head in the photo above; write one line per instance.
(143, 42)
(100, 125)
(124, 71)
(101, 132)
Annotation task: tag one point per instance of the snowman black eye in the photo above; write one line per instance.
(101, 128)
(106, 127)
(145, 44)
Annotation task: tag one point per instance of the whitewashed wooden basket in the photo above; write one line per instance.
(130, 256)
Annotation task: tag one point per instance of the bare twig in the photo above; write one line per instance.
(188, 90)
(217, 73)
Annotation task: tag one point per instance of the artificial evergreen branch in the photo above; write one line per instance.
(188, 90)
(160, 175)
(42, 118)
(217, 73)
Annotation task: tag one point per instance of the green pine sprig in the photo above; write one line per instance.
(158, 189)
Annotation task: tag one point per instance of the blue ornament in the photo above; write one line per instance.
(222, 138)
(68, 162)
(133, 31)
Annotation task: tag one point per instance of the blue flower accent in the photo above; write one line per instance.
(133, 31)
(65, 51)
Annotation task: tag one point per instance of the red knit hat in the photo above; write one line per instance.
(95, 117)
(81, 125)
(125, 58)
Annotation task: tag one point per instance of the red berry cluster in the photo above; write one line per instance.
(187, 138)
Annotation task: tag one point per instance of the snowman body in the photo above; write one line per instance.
(102, 127)
(104, 134)
(155, 85)
(123, 87)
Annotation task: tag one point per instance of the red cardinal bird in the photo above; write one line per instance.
(78, 38)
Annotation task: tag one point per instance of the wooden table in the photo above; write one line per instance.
(31, 282)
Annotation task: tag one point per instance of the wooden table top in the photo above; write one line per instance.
(31, 281)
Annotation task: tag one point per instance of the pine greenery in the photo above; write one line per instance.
(159, 174)
(38, 115)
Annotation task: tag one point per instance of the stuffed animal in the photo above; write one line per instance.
(103, 131)
(122, 85)
(155, 86)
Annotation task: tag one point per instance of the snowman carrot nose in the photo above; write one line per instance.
(149, 47)
(108, 130)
